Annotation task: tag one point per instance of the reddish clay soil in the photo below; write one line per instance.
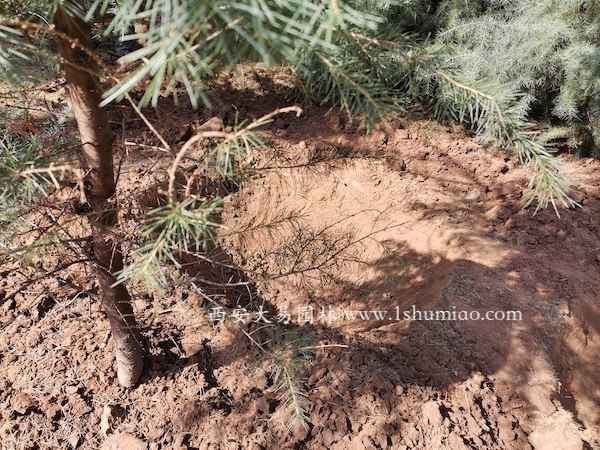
(420, 218)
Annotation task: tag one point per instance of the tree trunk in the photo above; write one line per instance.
(97, 158)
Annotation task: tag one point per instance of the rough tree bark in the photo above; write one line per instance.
(97, 158)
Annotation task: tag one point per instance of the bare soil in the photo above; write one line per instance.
(417, 218)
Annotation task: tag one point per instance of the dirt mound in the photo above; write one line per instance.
(387, 251)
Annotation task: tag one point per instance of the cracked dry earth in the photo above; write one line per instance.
(421, 218)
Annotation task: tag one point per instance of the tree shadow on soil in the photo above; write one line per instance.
(363, 359)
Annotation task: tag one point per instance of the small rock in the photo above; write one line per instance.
(456, 442)
(110, 414)
(557, 432)
(9, 305)
(73, 441)
(213, 124)
(299, 431)
(155, 433)
(498, 212)
(140, 304)
(420, 178)
(72, 390)
(327, 437)
(23, 403)
(33, 339)
(192, 345)
(91, 347)
(53, 412)
(12, 372)
(302, 145)
(505, 430)
(431, 413)
(78, 406)
(178, 441)
(194, 300)
(123, 441)
(341, 425)
(362, 442)
(402, 134)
